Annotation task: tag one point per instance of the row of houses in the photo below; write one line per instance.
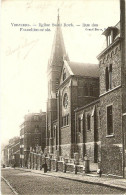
(86, 110)
(11, 153)
(32, 135)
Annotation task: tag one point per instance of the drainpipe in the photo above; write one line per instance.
(123, 81)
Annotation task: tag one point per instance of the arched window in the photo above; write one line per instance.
(80, 124)
(88, 122)
(65, 100)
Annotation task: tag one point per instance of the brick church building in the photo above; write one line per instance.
(86, 108)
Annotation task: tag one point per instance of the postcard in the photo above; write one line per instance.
(62, 96)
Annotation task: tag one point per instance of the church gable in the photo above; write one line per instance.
(66, 72)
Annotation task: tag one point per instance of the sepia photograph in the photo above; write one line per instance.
(63, 97)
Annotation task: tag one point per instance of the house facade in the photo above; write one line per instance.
(11, 152)
(32, 135)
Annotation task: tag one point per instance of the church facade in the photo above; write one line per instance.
(86, 109)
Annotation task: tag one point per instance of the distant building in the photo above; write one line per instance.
(5, 155)
(14, 151)
(11, 152)
(32, 134)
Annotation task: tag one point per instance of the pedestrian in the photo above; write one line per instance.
(45, 167)
(99, 171)
(40, 167)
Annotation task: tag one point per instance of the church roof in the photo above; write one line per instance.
(84, 69)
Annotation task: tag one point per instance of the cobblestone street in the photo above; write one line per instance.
(31, 183)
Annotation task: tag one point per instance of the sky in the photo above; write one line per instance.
(25, 54)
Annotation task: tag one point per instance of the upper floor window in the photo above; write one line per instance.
(109, 120)
(36, 117)
(64, 74)
(36, 128)
(109, 41)
(108, 77)
(54, 130)
(65, 100)
(36, 140)
(111, 33)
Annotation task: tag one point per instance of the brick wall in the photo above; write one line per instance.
(65, 150)
(60, 166)
(88, 140)
(53, 165)
(111, 160)
(111, 148)
(70, 168)
(65, 135)
(115, 99)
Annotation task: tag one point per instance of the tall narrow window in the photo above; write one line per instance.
(80, 124)
(54, 129)
(110, 76)
(107, 78)
(88, 122)
(64, 74)
(62, 122)
(36, 140)
(109, 120)
(67, 119)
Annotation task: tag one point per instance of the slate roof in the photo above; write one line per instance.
(84, 69)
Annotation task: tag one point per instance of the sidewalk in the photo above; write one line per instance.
(109, 182)
(5, 188)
